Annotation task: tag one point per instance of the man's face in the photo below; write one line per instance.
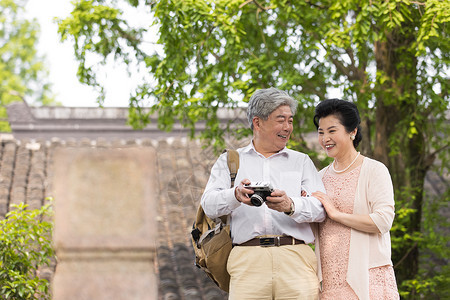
(274, 132)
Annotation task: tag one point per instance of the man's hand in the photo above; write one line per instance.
(279, 201)
(241, 192)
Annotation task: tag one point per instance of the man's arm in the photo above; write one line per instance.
(308, 208)
(218, 199)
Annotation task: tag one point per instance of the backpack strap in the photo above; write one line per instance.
(233, 164)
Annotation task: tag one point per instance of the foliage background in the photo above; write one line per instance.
(22, 70)
(25, 246)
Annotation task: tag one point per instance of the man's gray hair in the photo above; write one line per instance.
(263, 102)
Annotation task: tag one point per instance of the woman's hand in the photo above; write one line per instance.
(359, 222)
(327, 204)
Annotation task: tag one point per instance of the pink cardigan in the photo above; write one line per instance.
(374, 197)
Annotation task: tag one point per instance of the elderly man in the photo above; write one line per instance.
(271, 258)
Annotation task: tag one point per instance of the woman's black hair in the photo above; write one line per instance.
(345, 111)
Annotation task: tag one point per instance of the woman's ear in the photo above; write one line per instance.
(354, 132)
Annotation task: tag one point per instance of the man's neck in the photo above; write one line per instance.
(265, 151)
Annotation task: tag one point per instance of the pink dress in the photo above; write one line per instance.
(335, 245)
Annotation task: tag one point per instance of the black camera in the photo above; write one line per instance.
(262, 190)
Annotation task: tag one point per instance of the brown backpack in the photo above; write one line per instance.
(211, 238)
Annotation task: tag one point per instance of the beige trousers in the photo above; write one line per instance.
(273, 273)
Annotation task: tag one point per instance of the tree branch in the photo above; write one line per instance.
(406, 255)
(358, 72)
(261, 29)
(418, 3)
(256, 3)
(204, 41)
(260, 6)
(245, 3)
(435, 152)
(315, 5)
(340, 66)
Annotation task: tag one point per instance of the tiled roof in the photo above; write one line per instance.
(93, 123)
(183, 168)
(183, 172)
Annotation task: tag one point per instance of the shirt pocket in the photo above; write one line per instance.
(291, 183)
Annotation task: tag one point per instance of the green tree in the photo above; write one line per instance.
(389, 57)
(25, 246)
(22, 71)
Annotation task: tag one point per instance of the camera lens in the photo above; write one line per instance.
(256, 199)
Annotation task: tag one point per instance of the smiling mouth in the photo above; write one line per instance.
(329, 146)
(283, 136)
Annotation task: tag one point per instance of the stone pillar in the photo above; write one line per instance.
(105, 223)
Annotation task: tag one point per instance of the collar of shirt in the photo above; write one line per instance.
(251, 147)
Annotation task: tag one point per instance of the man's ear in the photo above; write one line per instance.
(256, 122)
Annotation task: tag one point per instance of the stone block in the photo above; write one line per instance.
(105, 198)
(105, 276)
(105, 223)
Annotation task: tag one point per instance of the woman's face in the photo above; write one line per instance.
(333, 137)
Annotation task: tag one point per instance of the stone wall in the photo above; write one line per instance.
(105, 223)
(104, 193)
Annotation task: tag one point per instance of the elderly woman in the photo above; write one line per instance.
(353, 244)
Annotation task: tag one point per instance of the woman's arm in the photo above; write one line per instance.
(359, 222)
(380, 197)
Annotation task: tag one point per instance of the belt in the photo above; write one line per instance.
(272, 241)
